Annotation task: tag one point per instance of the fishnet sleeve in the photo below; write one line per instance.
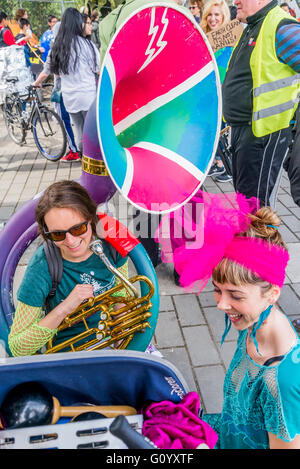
(26, 336)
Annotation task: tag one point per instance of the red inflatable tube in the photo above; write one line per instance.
(116, 234)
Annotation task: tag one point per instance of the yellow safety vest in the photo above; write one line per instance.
(275, 84)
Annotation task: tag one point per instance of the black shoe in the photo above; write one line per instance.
(296, 324)
(215, 169)
(225, 177)
(176, 278)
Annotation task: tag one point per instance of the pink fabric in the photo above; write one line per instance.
(267, 261)
(177, 426)
(207, 233)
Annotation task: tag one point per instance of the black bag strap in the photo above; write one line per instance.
(113, 252)
(55, 265)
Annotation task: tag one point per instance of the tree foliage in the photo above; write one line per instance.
(38, 10)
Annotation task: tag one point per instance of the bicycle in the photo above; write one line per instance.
(46, 126)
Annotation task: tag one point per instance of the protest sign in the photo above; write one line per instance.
(226, 36)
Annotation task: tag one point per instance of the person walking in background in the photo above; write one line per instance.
(260, 96)
(85, 10)
(48, 36)
(59, 106)
(285, 7)
(233, 11)
(15, 27)
(196, 8)
(6, 37)
(292, 167)
(105, 9)
(23, 37)
(14, 23)
(95, 29)
(76, 60)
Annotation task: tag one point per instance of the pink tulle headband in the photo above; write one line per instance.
(199, 235)
(267, 261)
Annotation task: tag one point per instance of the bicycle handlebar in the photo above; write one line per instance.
(44, 85)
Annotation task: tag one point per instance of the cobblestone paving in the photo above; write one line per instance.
(190, 326)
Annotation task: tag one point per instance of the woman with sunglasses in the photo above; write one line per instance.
(196, 8)
(66, 215)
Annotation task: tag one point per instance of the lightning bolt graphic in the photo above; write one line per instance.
(153, 52)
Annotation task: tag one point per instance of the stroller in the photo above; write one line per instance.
(104, 378)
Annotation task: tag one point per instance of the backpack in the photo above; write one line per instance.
(55, 266)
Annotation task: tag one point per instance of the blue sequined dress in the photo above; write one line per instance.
(258, 399)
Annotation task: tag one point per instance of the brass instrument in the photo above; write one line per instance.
(116, 327)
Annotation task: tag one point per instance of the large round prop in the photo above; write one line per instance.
(159, 108)
(30, 404)
(26, 405)
(94, 173)
(222, 57)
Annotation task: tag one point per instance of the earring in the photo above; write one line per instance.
(227, 328)
(263, 316)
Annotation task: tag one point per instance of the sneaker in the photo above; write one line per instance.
(296, 324)
(215, 169)
(71, 156)
(225, 177)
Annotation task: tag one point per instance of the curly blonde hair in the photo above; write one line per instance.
(206, 11)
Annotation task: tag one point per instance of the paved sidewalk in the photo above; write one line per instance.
(190, 326)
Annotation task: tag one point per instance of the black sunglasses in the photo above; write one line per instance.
(60, 235)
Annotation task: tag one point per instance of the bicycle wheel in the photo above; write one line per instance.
(49, 134)
(12, 113)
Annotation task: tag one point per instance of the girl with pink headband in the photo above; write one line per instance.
(240, 248)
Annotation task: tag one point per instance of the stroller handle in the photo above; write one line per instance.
(121, 428)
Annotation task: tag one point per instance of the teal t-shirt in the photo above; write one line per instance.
(258, 399)
(37, 283)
